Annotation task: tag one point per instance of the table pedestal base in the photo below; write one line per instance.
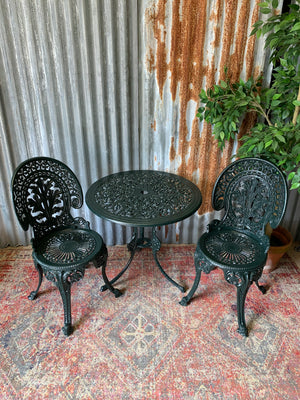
(139, 242)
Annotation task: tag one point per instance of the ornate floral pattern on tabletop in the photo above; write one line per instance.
(143, 198)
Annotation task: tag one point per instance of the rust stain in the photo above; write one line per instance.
(172, 153)
(187, 71)
(216, 18)
(149, 22)
(249, 59)
(160, 36)
(150, 60)
(240, 40)
(166, 231)
(198, 151)
(153, 125)
(228, 35)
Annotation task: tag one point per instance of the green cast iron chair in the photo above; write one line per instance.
(43, 191)
(253, 193)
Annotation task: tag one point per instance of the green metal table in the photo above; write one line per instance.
(141, 199)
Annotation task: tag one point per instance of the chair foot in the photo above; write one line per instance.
(33, 295)
(184, 301)
(68, 329)
(242, 330)
(117, 293)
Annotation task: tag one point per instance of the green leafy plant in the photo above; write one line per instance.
(276, 133)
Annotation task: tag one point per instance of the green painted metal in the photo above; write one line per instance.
(44, 190)
(141, 199)
(253, 193)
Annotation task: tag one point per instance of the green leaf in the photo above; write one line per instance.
(268, 143)
(280, 138)
(258, 33)
(285, 114)
(274, 3)
(295, 185)
(283, 62)
(251, 148)
(265, 10)
(233, 125)
(260, 147)
(203, 95)
(275, 103)
(296, 27)
(296, 102)
(291, 176)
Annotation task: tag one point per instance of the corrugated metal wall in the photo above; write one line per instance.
(111, 85)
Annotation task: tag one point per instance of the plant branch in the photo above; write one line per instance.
(296, 112)
(261, 111)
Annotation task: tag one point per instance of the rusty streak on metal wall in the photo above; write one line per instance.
(197, 28)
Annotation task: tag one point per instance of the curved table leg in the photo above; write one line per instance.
(39, 269)
(155, 244)
(186, 299)
(101, 260)
(132, 246)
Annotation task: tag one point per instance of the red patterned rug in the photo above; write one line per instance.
(144, 345)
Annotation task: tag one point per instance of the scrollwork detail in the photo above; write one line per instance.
(201, 262)
(44, 190)
(50, 276)
(253, 192)
(134, 196)
(235, 277)
(73, 276)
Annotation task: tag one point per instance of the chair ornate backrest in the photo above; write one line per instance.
(253, 192)
(44, 190)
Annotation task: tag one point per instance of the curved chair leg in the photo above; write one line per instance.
(34, 293)
(201, 264)
(241, 297)
(64, 285)
(63, 281)
(242, 282)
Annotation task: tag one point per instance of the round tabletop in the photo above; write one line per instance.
(143, 198)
